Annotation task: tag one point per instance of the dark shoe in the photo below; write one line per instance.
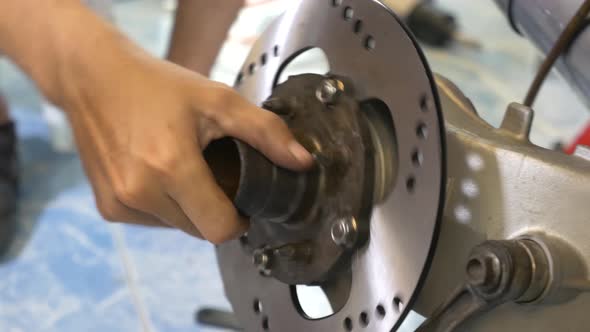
(9, 185)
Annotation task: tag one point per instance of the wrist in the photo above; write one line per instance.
(31, 34)
(82, 40)
(51, 40)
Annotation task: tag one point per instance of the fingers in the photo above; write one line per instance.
(157, 204)
(138, 200)
(155, 208)
(112, 209)
(204, 203)
(263, 130)
(170, 213)
(267, 133)
(173, 215)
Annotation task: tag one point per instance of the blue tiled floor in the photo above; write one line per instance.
(79, 273)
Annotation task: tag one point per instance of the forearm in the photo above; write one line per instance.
(47, 38)
(200, 29)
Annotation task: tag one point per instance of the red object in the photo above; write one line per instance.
(583, 139)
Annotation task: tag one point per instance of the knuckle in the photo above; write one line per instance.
(263, 122)
(268, 125)
(220, 235)
(107, 208)
(168, 170)
(217, 107)
(271, 121)
(164, 165)
(194, 232)
(227, 122)
(223, 98)
(128, 192)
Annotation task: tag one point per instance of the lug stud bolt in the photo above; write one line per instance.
(328, 91)
(344, 232)
(261, 259)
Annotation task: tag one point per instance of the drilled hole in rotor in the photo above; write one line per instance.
(348, 13)
(336, 3)
(239, 78)
(417, 158)
(380, 311)
(397, 304)
(425, 103)
(358, 26)
(370, 43)
(411, 183)
(263, 59)
(252, 68)
(265, 324)
(312, 302)
(364, 319)
(422, 131)
(244, 241)
(275, 50)
(306, 61)
(348, 324)
(257, 306)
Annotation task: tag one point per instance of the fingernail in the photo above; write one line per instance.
(300, 153)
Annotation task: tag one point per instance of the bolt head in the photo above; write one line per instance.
(328, 90)
(477, 272)
(344, 232)
(484, 271)
(261, 259)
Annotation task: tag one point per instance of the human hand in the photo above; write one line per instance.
(141, 124)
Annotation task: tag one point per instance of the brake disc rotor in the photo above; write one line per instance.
(365, 42)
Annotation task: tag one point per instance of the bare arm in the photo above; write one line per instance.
(29, 29)
(140, 122)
